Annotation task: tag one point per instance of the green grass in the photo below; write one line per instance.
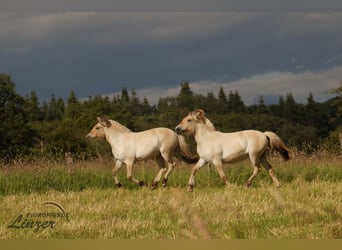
(306, 207)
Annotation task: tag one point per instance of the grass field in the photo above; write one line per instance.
(307, 206)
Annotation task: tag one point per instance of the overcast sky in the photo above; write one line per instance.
(270, 52)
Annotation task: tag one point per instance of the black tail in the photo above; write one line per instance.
(277, 144)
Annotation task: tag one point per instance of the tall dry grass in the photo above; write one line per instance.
(306, 207)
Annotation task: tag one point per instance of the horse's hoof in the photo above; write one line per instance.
(164, 182)
(248, 184)
(119, 185)
(191, 188)
(154, 185)
(142, 184)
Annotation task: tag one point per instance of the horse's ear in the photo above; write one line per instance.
(200, 114)
(108, 123)
(104, 122)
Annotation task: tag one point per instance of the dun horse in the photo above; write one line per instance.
(128, 146)
(216, 147)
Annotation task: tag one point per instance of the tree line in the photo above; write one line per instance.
(55, 126)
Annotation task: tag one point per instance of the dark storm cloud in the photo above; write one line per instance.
(174, 5)
(100, 52)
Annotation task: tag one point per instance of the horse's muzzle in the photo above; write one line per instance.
(179, 130)
(89, 136)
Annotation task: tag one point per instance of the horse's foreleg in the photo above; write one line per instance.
(269, 168)
(118, 165)
(194, 170)
(130, 177)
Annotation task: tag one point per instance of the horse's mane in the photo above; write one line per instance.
(119, 126)
(209, 124)
(200, 115)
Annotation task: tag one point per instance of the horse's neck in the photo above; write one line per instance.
(202, 131)
(114, 134)
(119, 126)
(209, 124)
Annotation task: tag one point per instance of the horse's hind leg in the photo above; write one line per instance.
(256, 170)
(162, 169)
(269, 168)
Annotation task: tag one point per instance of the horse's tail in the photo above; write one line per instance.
(275, 143)
(186, 154)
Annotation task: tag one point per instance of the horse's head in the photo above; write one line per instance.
(98, 130)
(188, 124)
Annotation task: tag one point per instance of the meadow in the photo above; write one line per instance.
(307, 206)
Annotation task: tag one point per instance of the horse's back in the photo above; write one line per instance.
(251, 138)
(160, 136)
(161, 133)
(241, 144)
(254, 134)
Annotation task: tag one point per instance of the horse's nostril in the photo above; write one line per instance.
(178, 130)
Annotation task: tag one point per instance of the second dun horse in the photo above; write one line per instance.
(216, 147)
(128, 146)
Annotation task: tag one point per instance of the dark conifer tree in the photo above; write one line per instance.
(16, 135)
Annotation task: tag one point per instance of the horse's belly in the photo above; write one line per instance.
(235, 157)
(146, 152)
(146, 155)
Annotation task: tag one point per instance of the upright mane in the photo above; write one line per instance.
(209, 124)
(119, 126)
(200, 116)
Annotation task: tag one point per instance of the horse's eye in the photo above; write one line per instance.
(189, 120)
(97, 128)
